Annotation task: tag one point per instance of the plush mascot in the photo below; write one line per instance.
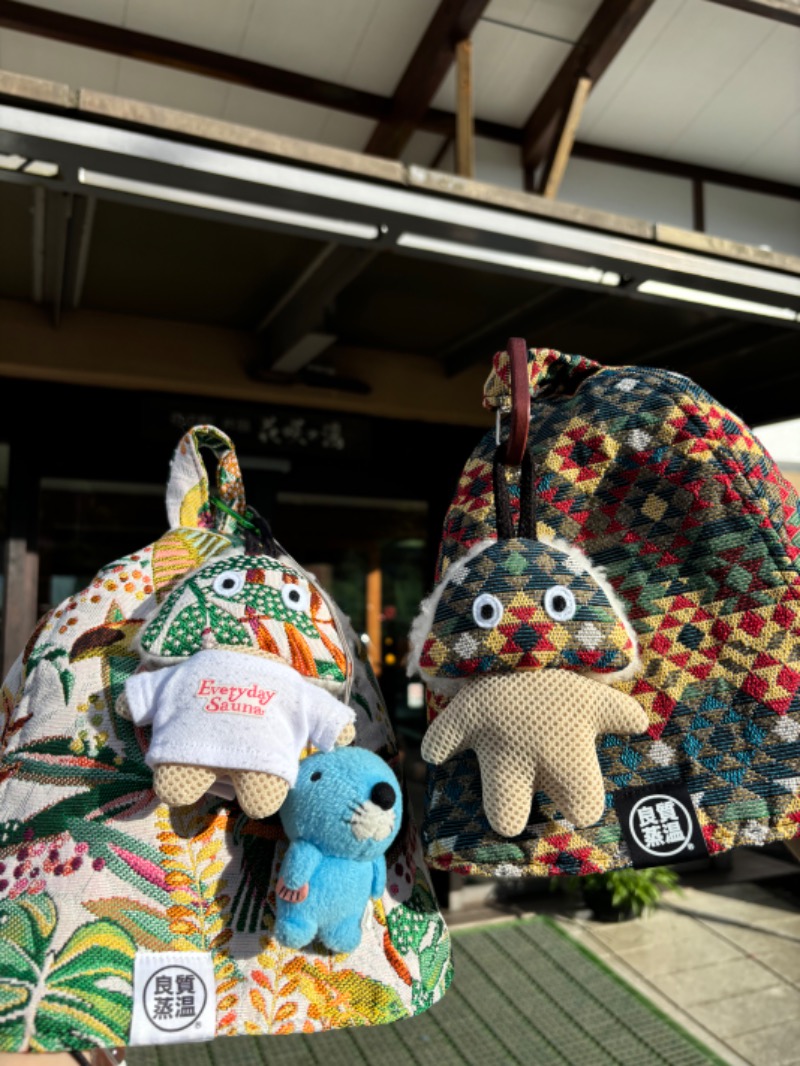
(341, 816)
(242, 668)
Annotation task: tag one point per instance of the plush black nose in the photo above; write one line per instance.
(383, 795)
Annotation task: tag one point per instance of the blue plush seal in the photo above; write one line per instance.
(342, 814)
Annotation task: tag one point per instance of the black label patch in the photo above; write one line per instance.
(659, 825)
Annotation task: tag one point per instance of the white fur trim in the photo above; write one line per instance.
(422, 624)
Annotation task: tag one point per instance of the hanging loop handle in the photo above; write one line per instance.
(191, 501)
(520, 401)
(526, 521)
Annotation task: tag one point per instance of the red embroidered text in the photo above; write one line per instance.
(234, 699)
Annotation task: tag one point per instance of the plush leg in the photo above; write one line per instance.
(259, 794)
(347, 735)
(344, 936)
(178, 785)
(292, 929)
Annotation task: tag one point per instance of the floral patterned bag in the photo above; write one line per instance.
(108, 897)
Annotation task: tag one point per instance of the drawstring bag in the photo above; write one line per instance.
(131, 918)
(612, 645)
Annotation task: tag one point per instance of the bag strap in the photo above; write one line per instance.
(190, 499)
(526, 524)
(517, 440)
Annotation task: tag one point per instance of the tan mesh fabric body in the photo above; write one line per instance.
(531, 731)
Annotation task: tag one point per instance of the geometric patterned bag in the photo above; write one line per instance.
(687, 538)
(96, 875)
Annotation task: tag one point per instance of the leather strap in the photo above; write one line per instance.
(517, 441)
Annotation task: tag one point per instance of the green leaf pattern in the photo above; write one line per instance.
(80, 996)
(76, 798)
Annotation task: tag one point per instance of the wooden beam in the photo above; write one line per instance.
(787, 11)
(556, 165)
(606, 33)
(465, 129)
(453, 21)
(294, 332)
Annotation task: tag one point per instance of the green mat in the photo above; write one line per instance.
(523, 992)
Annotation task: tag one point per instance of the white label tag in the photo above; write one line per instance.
(174, 998)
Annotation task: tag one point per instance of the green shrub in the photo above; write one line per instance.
(629, 892)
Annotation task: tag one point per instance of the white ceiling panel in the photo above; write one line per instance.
(110, 11)
(387, 42)
(653, 197)
(755, 219)
(510, 71)
(498, 164)
(171, 88)
(554, 18)
(748, 108)
(306, 36)
(219, 26)
(41, 58)
(677, 59)
(778, 156)
(422, 149)
(277, 114)
(345, 131)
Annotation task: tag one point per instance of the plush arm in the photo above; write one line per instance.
(301, 861)
(141, 694)
(378, 877)
(331, 722)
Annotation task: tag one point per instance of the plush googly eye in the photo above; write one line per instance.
(560, 604)
(316, 775)
(228, 583)
(487, 610)
(295, 597)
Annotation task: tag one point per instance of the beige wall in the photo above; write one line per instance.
(130, 352)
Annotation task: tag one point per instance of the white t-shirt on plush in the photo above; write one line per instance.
(234, 711)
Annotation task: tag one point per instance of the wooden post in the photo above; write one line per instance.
(698, 206)
(557, 164)
(374, 608)
(465, 125)
(20, 611)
